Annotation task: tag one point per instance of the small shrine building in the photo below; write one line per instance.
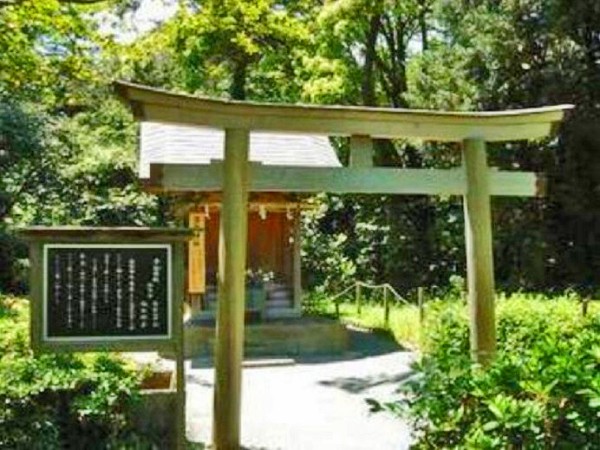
(274, 237)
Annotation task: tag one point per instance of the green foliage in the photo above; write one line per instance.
(66, 170)
(404, 326)
(54, 401)
(542, 391)
(460, 55)
(25, 162)
(238, 45)
(48, 53)
(56, 65)
(348, 238)
(28, 171)
(325, 259)
(66, 146)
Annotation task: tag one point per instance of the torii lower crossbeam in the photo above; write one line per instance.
(346, 180)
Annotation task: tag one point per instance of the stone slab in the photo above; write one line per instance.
(293, 337)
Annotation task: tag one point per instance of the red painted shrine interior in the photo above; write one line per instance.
(270, 245)
(272, 222)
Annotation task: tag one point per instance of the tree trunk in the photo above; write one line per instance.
(368, 81)
(238, 83)
(423, 26)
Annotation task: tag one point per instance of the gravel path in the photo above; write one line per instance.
(310, 405)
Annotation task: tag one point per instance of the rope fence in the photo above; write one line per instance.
(387, 291)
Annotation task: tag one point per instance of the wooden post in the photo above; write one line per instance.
(584, 306)
(180, 413)
(358, 299)
(386, 308)
(421, 306)
(179, 291)
(36, 294)
(421, 303)
(480, 264)
(229, 345)
(297, 262)
(361, 151)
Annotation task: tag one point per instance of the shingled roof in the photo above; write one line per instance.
(178, 144)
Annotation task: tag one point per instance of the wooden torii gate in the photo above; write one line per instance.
(475, 181)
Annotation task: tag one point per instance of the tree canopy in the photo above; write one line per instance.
(60, 122)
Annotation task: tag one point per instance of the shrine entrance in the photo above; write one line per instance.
(236, 176)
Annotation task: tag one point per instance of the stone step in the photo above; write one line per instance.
(279, 303)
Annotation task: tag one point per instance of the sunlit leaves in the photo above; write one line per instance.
(236, 35)
(47, 51)
(541, 391)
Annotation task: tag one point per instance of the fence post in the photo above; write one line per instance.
(584, 306)
(358, 299)
(337, 308)
(386, 307)
(421, 302)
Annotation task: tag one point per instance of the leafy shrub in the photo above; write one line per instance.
(541, 392)
(56, 401)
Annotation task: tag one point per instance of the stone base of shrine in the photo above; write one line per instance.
(282, 337)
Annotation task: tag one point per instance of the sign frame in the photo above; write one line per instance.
(40, 239)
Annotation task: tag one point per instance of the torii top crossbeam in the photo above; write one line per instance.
(156, 105)
(474, 181)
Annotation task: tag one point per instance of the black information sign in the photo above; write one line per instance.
(103, 291)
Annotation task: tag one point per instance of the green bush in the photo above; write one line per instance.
(541, 392)
(57, 401)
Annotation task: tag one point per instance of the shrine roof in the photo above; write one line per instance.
(162, 143)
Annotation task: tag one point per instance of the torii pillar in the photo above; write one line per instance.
(231, 281)
(478, 245)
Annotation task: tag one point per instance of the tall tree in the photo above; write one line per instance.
(66, 147)
(370, 45)
(226, 40)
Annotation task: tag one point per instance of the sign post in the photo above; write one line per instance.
(109, 289)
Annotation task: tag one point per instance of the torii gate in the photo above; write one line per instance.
(475, 181)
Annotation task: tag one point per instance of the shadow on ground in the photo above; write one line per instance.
(356, 385)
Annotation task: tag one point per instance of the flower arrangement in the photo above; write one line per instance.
(258, 277)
